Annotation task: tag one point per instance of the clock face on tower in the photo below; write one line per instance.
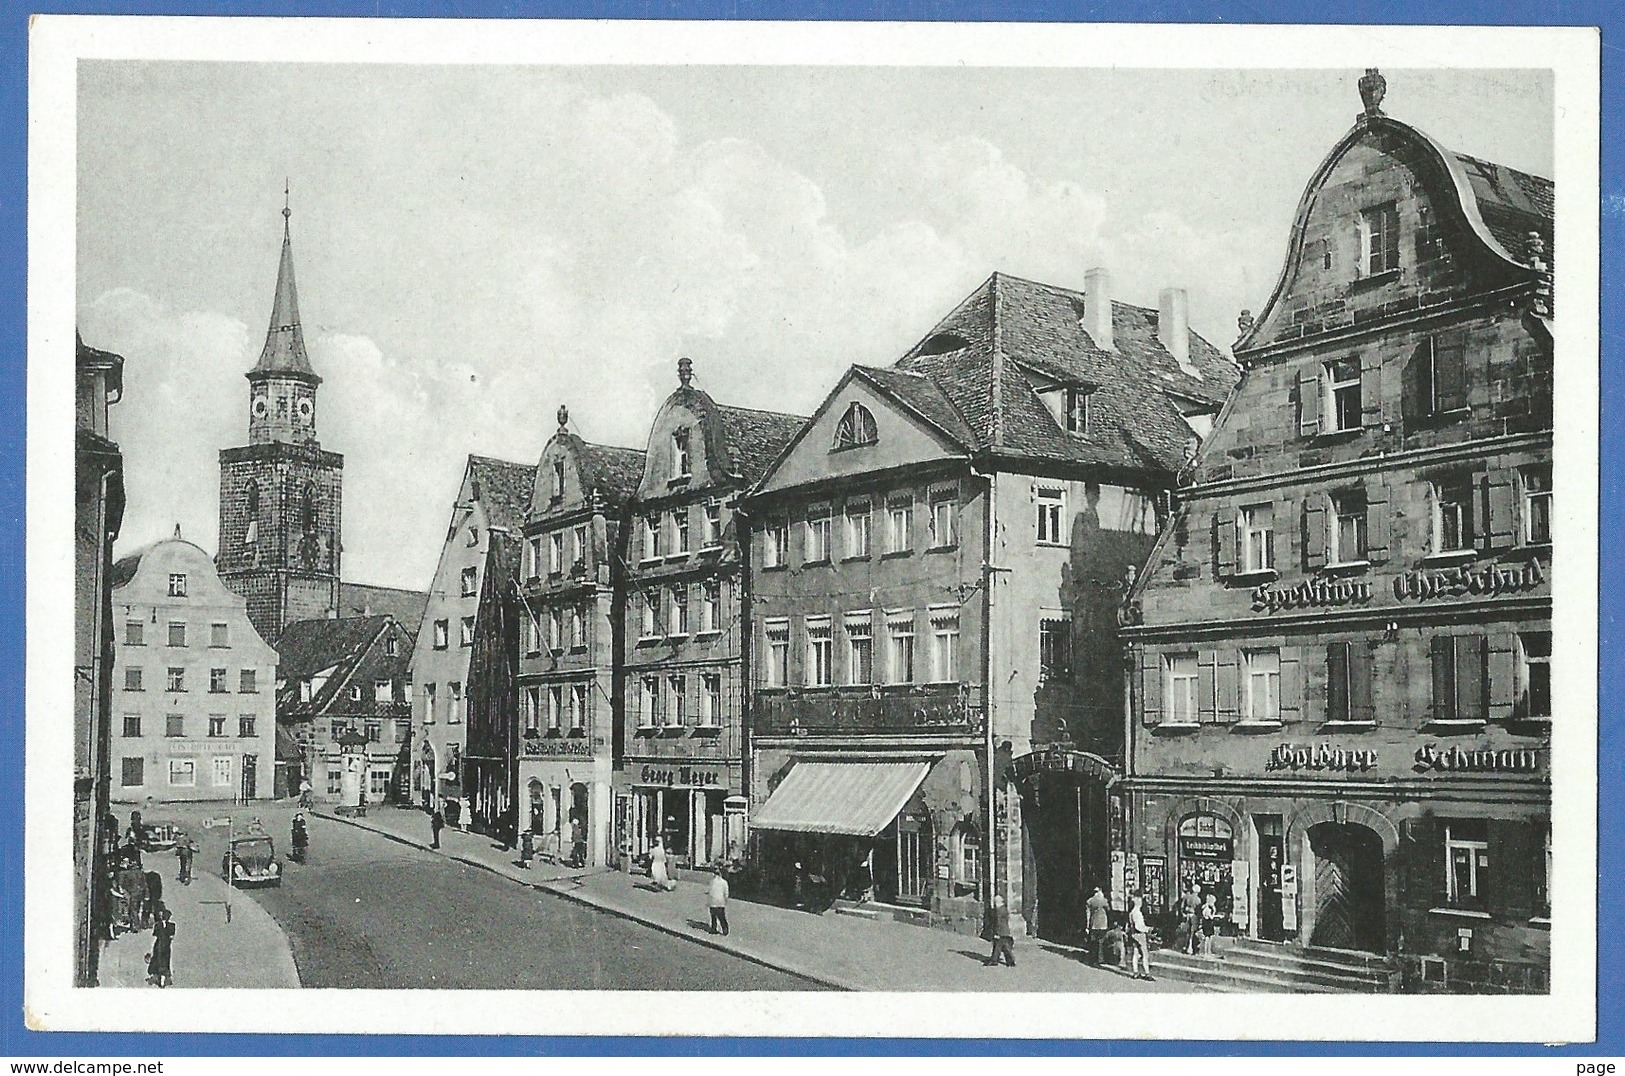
(261, 407)
(305, 409)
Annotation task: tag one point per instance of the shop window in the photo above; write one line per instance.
(1341, 400)
(815, 548)
(217, 725)
(860, 647)
(778, 653)
(856, 428)
(1466, 862)
(1460, 677)
(900, 629)
(1379, 240)
(175, 679)
(132, 725)
(470, 582)
(1261, 686)
(135, 633)
(776, 545)
(1206, 848)
(1536, 483)
(857, 529)
(132, 772)
(182, 772)
(1348, 684)
(1348, 531)
(1051, 505)
(1258, 538)
(710, 700)
(899, 513)
(132, 679)
(1452, 504)
(1055, 649)
(442, 634)
(944, 645)
(177, 633)
(944, 520)
(1533, 699)
(177, 584)
(219, 635)
(1180, 690)
(820, 652)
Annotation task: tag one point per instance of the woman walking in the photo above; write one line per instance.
(163, 940)
(657, 869)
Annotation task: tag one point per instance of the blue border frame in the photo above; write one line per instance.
(17, 1041)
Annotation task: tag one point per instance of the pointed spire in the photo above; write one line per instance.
(284, 352)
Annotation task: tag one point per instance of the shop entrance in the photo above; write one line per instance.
(903, 857)
(1348, 887)
(1206, 856)
(1271, 855)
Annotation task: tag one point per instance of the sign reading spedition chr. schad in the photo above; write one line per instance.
(1422, 584)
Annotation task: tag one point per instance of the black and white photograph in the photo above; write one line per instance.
(1077, 531)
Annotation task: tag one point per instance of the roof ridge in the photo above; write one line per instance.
(759, 411)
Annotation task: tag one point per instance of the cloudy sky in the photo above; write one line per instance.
(476, 246)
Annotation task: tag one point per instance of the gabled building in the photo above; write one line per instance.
(572, 578)
(487, 764)
(339, 675)
(492, 496)
(1342, 713)
(936, 563)
(683, 778)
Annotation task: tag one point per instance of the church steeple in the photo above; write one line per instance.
(284, 352)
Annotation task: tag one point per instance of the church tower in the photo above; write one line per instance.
(281, 494)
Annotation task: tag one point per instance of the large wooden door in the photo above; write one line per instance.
(1348, 887)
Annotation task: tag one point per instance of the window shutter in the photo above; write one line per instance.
(1503, 675)
(1427, 857)
(1449, 372)
(1315, 518)
(1362, 707)
(1291, 685)
(1207, 670)
(1471, 672)
(1416, 384)
(1444, 678)
(1309, 401)
(1376, 522)
(1390, 239)
(1227, 687)
(1339, 701)
(1225, 541)
(1371, 390)
(1150, 689)
(1496, 529)
(1516, 867)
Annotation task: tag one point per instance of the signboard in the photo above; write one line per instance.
(1431, 756)
(1488, 581)
(1154, 881)
(1240, 869)
(1131, 874)
(1289, 897)
(678, 775)
(1316, 592)
(1320, 756)
(1119, 890)
(556, 748)
(1217, 849)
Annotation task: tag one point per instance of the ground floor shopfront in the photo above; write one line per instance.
(694, 807)
(565, 793)
(181, 770)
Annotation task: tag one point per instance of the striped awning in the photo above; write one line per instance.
(856, 799)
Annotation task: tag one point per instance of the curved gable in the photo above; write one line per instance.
(698, 460)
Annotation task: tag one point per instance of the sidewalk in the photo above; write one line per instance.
(249, 951)
(844, 952)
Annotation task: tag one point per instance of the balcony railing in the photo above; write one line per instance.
(918, 711)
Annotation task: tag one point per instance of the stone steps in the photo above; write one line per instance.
(1248, 965)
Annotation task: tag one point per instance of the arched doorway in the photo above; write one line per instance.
(1066, 813)
(1348, 887)
(536, 794)
(1207, 852)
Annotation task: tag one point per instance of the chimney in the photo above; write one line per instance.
(1174, 327)
(1097, 308)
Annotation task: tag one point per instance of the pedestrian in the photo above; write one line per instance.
(1191, 921)
(719, 902)
(1139, 936)
(1098, 920)
(657, 868)
(155, 894)
(184, 851)
(1210, 924)
(578, 843)
(159, 971)
(306, 800)
(132, 883)
(998, 932)
(437, 822)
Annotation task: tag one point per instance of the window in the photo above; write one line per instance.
(856, 427)
(1342, 400)
(470, 582)
(900, 630)
(583, 548)
(710, 700)
(578, 706)
(1258, 538)
(677, 705)
(1460, 675)
(217, 725)
(944, 645)
(649, 627)
(680, 465)
(441, 634)
(944, 521)
(1466, 862)
(555, 707)
(1348, 684)
(651, 537)
(857, 529)
(1379, 239)
(391, 647)
(465, 632)
(649, 711)
(578, 628)
(555, 553)
(1533, 692)
(555, 630)
(245, 725)
(1537, 505)
(1180, 705)
(1452, 516)
(558, 479)
(219, 635)
(1055, 649)
(1348, 528)
(335, 780)
(533, 557)
(222, 772)
(132, 772)
(1051, 501)
(816, 548)
(1261, 701)
(454, 702)
(531, 707)
(132, 725)
(529, 638)
(135, 633)
(217, 681)
(132, 679)
(820, 652)
(967, 845)
(176, 679)
(677, 622)
(778, 653)
(177, 584)
(383, 691)
(355, 692)
(710, 607)
(182, 772)
(177, 633)
(776, 545)
(679, 529)
(711, 526)
(406, 690)
(1077, 411)
(860, 648)
(898, 514)
(1445, 374)
(428, 704)
(337, 729)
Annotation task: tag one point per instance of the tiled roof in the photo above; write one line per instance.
(1512, 203)
(124, 569)
(504, 489)
(359, 600)
(306, 647)
(754, 439)
(1133, 422)
(922, 394)
(612, 471)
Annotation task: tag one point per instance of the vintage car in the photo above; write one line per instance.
(251, 861)
(159, 836)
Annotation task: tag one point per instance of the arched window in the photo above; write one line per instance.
(1207, 849)
(966, 845)
(538, 807)
(857, 427)
(253, 495)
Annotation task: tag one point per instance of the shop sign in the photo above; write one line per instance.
(1323, 756)
(1489, 581)
(540, 748)
(681, 775)
(1311, 593)
(1430, 756)
(1289, 897)
(1218, 849)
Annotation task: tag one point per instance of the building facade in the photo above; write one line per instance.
(493, 495)
(572, 572)
(98, 513)
(488, 767)
(936, 563)
(1341, 718)
(683, 779)
(195, 712)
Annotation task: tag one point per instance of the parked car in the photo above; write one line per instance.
(159, 836)
(251, 861)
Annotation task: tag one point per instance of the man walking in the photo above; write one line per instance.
(184, 851)
(1139, 936)
(719, 902)
(998, 926)
(437, 822)
(1098, 921)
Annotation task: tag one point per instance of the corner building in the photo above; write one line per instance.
(1341, 719)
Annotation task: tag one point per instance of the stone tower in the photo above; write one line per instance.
(281, 494)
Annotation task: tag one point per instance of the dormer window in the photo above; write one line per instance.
(857, 427)
(558, 479)
(1068, 404)
(1077, 411)
(1379, 239)
(680, 464)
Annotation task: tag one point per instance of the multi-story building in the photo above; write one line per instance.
(195, 713)
(1342, 717)
(683, 775)
(489, 765)
(936, 564)
(348, 675)
(98, 512)
(493, 496)
(569, 642)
